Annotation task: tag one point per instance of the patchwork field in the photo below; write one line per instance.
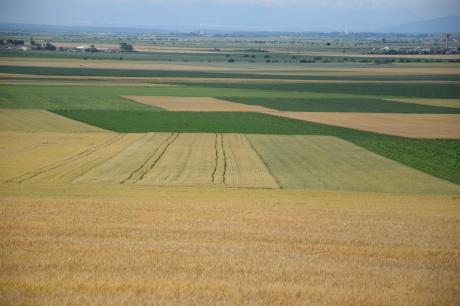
(226, 160)
(348, 104)
(328, 163)
(160, 178)
(406, 125)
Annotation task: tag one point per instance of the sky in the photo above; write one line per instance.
(228, 15)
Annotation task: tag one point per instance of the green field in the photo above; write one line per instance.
(440, 158)
(57, 97)
(61, 71)
(109, 98)
(420, 90)
(332, 104)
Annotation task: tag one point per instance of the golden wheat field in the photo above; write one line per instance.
(198, 104)
(33, 120)
(405, 125)
(159, 245)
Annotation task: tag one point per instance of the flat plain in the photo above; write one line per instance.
(171, 177)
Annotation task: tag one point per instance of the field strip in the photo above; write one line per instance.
(214, 160)
(329, 163)
(434, 102)
(168, 81)
(190, 161)
(197, 104)
(46, 82)
(148, 65)
(31, 120)
(243, 167)
(406, 125)
(129, 163)
(30, 175)
(210, 160)
(151, 160)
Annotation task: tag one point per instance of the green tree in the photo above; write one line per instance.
(126, 47)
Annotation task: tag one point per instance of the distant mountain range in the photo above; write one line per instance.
(449, 24)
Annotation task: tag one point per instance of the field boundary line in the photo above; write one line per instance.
(263, 161)
(84, 153)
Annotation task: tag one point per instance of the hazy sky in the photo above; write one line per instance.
(281, 15)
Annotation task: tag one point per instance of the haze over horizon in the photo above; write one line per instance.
(232, 15)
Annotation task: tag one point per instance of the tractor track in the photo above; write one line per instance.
(138, 172)
(29, 175)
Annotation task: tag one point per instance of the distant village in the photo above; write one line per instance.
(446, 49)
(14, 44)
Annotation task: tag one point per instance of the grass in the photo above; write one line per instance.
(356, 105)
(437, 157)
(225, 246)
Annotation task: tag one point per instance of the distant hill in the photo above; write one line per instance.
(449, 24)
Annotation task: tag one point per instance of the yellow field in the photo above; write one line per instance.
(31, 120)
(435, 102)
(329, 163)
(209, 159)
(143, 245)
(406, 125)
(197, 104)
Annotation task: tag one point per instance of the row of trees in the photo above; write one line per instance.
(15, 42)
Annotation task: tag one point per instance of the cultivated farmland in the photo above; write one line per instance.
(328, 163)
(406, 125)
(110, 244)
(40, 121)
(199, 175)
(198, 104)
(219, 160)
